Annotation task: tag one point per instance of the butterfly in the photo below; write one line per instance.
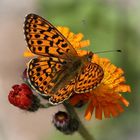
(58, 70)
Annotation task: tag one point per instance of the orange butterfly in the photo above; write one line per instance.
(58, 70)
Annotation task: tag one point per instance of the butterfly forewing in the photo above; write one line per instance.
(45, 40)
(89, 78)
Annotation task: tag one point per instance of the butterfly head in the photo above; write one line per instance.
(88, 56)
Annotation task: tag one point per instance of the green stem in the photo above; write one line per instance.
(45, 105)
(82, 130)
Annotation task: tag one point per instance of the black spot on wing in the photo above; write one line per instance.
(51, 43)
(39, 42)
(64, 45)
(38, 69)
(37, 35)
(55, 36)
(59, 40)
(39, 48)
(47, 49)
(42, 31)
(58, 50)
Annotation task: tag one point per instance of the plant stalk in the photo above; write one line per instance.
(82, 129)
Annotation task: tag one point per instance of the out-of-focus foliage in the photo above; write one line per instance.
(109, 25)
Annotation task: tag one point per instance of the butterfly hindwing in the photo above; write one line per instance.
(42, 71)
(62, 94)
(89, 78)
(45, 40)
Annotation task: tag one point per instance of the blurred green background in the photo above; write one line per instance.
(109, 25)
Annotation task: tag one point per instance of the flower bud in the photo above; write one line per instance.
(23, 97)
(64, 123)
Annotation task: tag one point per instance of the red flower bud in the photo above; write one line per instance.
(23, 97)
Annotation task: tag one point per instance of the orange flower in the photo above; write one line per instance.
(106, 98)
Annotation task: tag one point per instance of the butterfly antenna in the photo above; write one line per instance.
(109, 51)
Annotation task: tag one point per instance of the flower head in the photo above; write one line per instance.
(22, 97)
(64, 123)
(106, 98)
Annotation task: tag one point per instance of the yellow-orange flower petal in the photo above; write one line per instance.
(74, 39)
(89, 111)
(28, 53)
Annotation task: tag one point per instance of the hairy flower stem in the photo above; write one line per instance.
(82, 130)
(45, 105)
